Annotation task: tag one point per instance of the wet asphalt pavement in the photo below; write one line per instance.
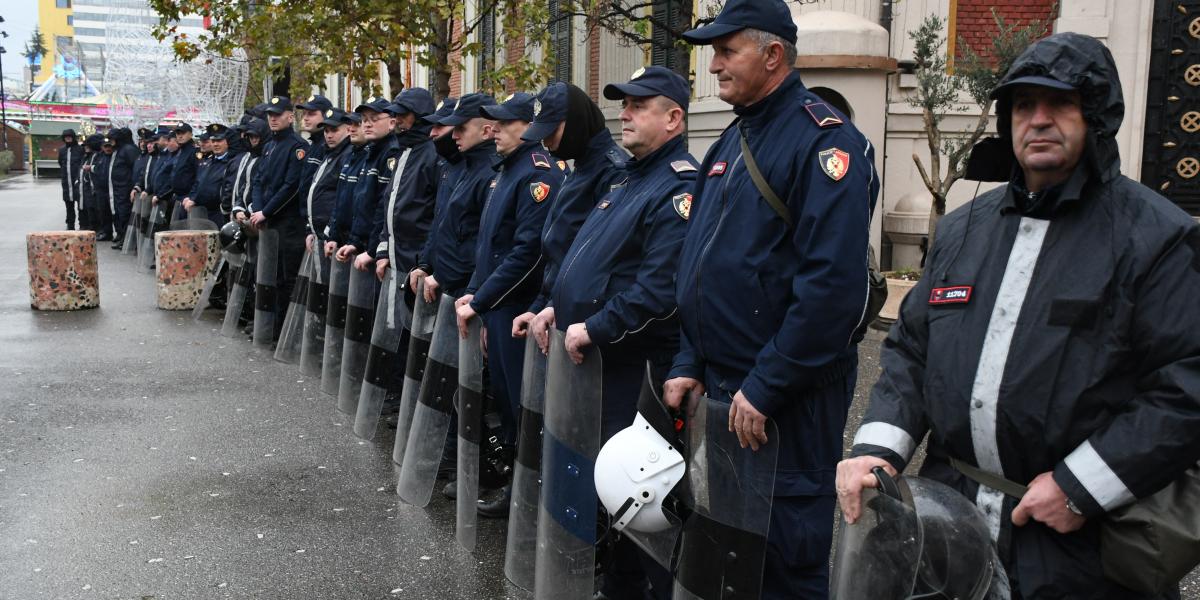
(143, 456)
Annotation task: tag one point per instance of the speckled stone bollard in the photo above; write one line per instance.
(62, 270)
(183, 260)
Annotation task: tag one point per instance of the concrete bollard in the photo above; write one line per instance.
(62, 270)
(183, 259)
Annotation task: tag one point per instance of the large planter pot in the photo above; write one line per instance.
(897, 290)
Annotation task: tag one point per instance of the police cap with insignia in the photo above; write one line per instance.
(771, 16)
(417, 101)
(374, 103)
(183, 127)
(218, 131)
(335, 117)
(550, 110)
(317, 102)
(203, 136)
(444, 108)
(467, 108)
(518, 107)
(653, 81)
(107, 141)
(144, 133)
(278, 105)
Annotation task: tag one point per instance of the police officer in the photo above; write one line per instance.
(405, 213)
(213, 179)
(507, 269)
(70, 161)
(373, 177)
(254, 133)
(184, 162)
(616, 289)
(772, 284)
(275, 194)
(100, 173)
(311, 117)
(1051, 344)
(89, 217)
(321, 194)
(160, 177)
(449, 166)
(572, 127)
(343, 207)
(120, 181)
(145, 162)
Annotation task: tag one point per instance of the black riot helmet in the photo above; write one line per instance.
(916, 538)
(233, 237)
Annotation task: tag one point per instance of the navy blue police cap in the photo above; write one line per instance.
(653, 81)
(444, 108)
(278, 105)
(335, 117)
(467, 108)
(517, 107)
(182, 127)
(316, 102)
(417, 101)
(218, 131)
(203, 136)
(376, 103)
(771, 16)
(549, 111)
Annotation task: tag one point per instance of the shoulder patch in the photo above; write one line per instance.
(540, 161)
(199, 155)
(540, 191)
(391, 164)
(717, 169)
(683, 205)
(562, 165)
(823, 115)
(682, 166)
(616, 159)
(299, 153)
(835, 162)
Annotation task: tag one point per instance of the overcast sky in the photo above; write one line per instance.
(20, 18)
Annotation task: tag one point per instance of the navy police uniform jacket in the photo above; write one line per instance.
(213, 181)
(142, 169)
(121, 170)
(773, 309)
(371, 192)
(338, 229)
(508, 256)
(618, 277)
(70, 161)
(451, 244)
(277, 175)
(406, 212)
(183, 170)
(99, 178)
(449, 171)
(315, 155)
(160, 177)
(602, 165)
(321, 193)
(243, 181)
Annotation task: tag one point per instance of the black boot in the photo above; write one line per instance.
(497, 507)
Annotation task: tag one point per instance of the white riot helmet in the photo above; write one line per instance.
(635, 472)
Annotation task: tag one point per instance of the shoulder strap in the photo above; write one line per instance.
(760, 182)
(988, 479)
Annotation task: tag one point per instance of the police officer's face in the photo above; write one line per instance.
(356, 134)
(311, 120)
(473, 132)
(108, 149)
(648, 122)
(376, 125)
(172, 143)
(183, 137)
(439, 130)
(253, 140)
(405, 121)
(742, 68)
(161, 143)
(218, 147)
(335, 135)
(508, 135)
(279, 122)
(1048, 131)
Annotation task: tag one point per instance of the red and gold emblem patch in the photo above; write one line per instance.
(683, 205)
(834, 162)
(299, 154)
(539, 191)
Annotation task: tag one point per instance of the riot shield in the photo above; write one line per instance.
(420, 334)
(312, 347)
(241, 280)
(360, 317)
(431, 418)
(131, 238)
(520, 554)
(566, 531)
(287, 349)
(142, 218)
(157, 222)
(266, 286)
(392, 318)
(194, 220)
(722, 547)
(335, 326)
(209, 283)
(470, 426)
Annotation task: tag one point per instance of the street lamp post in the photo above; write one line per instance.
(3, 97)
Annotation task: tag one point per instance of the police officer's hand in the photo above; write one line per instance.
(431, 289)
(462, 307)
(541, 329)
(1046, 503)
(310, 242)
(188, 204)
(675, 390)
(330, 248)
(154, 200)
(132, 194)
(363, 261)
(749, 424)
(344, 253)
(577, 340)
(238, 216)
(854, 474)
(258, 220)
(381, 267)
(414, 277)
(521, 325)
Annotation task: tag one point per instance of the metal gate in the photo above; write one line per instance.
(1171, 156)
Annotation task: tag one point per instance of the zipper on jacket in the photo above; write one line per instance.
(708, 245)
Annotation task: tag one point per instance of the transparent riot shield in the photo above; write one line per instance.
(392, 319)
(193, 220)
(209, 284)
(470, 427)
(521, 551)
(420, 334)
(360, 318)
(431, 418)
(722, 546)
(131, 238)
(241, 282)
(142, 219)
(266, 288)
(566, 531)
(157, 222)
(287, 349)
(312, 347)
(335, 326)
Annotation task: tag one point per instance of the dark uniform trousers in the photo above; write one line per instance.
(292, 234)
